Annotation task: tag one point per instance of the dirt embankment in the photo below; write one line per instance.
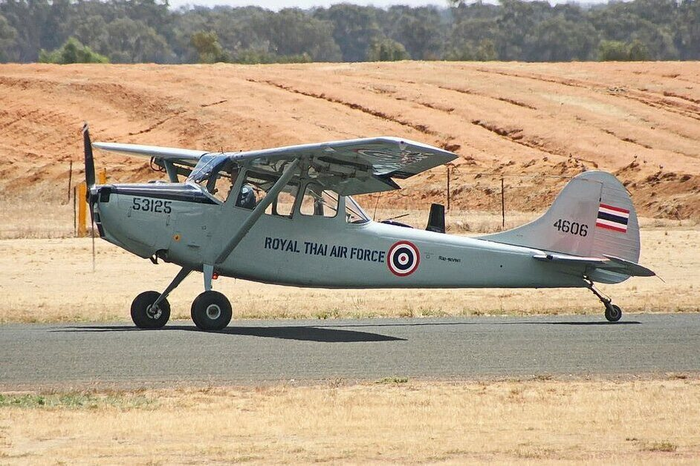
(534, 125)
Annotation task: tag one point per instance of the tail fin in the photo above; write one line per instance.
(593, 216)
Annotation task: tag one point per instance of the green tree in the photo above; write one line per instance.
(72, 51)
(420, 30)
(687, 27)
(355, 28)
(637, 51)
(557, 39)
(7, 39)
(91, 31)
(613, 50)
(386, 49)
(472, 39)
(208, 48)
(517, 20)
(133, 41)
(292, 32)
(27, 18)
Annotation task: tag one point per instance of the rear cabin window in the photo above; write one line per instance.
(319, 202)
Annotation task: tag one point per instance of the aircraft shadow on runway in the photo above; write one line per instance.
(301, 333)
(456, 323)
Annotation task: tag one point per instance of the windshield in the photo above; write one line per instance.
(353, 212)
(214, 173)
(209, 164)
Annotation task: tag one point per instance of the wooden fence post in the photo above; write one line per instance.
(82, 209)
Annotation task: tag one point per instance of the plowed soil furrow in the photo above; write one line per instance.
(369, 111)
(647, 98)
(517, 120)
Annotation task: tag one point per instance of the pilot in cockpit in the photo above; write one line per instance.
(246, 198)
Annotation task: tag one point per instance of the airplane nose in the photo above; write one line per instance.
(100, 193)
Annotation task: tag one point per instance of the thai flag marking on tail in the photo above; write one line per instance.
(612, 218)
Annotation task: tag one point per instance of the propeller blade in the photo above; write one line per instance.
(89, 162)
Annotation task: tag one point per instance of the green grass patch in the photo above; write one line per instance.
(76, 400)
(393, 380)
(664, 446)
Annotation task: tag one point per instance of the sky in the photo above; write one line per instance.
(305, 4)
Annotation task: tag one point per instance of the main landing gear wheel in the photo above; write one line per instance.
(145, 315)
(612, 312)
(211, 311)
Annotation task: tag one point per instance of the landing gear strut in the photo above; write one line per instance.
(613, 313)
(211, 310)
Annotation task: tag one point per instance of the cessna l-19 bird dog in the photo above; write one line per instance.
(286, 216)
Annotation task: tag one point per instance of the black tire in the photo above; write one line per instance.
(613, 312)
(211, 310)
(144, 316)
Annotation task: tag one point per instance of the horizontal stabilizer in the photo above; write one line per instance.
(607, 263)
(631, 268)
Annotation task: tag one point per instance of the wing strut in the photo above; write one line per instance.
(171, 170)
(245, 227)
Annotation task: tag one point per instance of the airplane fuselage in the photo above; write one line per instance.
(185, 225)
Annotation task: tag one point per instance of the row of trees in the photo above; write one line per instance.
(134, 31)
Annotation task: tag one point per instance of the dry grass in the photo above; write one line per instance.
(655, 421)
(51, 280)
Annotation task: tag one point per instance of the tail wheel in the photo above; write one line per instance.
(613, 312)
(211, 310)
(145, 314)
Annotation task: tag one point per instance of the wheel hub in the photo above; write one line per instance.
(213, 311)
(153, 312)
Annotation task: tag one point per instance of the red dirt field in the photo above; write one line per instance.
(535, 125)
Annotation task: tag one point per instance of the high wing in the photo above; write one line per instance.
(355, 166)
(165, 153)
(174, 161)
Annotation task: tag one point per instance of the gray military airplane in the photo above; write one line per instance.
(286, 216)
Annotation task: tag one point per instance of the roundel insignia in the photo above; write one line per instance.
(403, 258)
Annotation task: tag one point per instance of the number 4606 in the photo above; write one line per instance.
(573, 228)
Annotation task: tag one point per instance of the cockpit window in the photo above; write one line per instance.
(216, 174)
(353, 212)
(255, 187)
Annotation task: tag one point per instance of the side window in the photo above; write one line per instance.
(283, 205)
(256, 186)
(319, 202)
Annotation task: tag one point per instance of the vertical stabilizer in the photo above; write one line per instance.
(593, 216)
